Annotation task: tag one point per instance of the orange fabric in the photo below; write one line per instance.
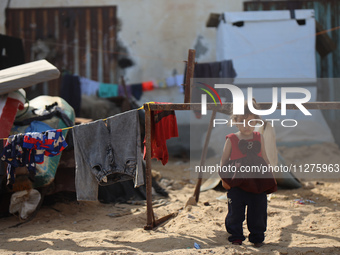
(147, 85)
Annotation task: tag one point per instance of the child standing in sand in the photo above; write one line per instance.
(243, 151)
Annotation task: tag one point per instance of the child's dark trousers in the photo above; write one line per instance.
(256, 215)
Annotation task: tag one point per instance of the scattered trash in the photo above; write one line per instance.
(179, 163)
(171, 184)
(155, 203)
(270, 197)
(302, 201)
(191, 217)
(308, 185)
(120, 214)
(114, 215)
(24, 202)
(197, 246)
(176, 186)
(75, 222)
(160, 202)
(136, 202)
(155, 174)
(223, 198)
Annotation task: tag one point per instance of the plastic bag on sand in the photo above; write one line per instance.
(24, 202)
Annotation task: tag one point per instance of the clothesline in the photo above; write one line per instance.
(140, 108)
(91, 87)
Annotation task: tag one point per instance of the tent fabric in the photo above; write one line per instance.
(268, 44)
(231, 17)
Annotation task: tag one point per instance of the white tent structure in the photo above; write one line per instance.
(268, 44)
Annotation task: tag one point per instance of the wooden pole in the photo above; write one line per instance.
(204, 156)
(151, 222)
(148, 177)
(189, 75)
(124, 87)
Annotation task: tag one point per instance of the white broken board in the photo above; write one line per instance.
(26, 75)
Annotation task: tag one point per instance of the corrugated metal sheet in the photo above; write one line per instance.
(79, 40)
(327, 13)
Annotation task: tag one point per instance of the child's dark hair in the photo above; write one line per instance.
(247, 112)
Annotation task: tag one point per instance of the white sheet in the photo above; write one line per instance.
(269, 44)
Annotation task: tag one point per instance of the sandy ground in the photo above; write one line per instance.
(71, 227)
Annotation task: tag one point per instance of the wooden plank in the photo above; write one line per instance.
(81, 20)
(213, 20)
(94, 44)
(113, 56)
(106, 46)
(26, 75)
(70, 42)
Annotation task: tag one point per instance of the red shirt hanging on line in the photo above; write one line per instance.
(163, 127)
